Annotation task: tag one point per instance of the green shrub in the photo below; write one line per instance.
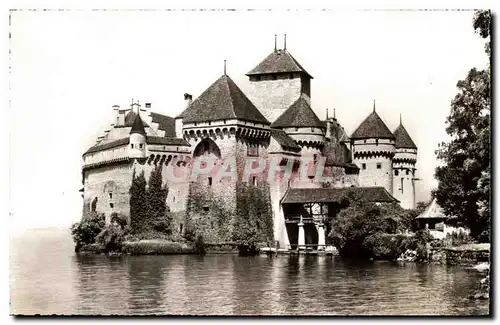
(86, 231)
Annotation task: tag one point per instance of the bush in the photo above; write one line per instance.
(163, 225)
(199, 245)
(385, 246)
(111, 238)
(86, 231)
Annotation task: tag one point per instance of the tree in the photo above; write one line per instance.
(156, 194)
(137, 202)
(86, 231)
(464, 178)
(254, 220)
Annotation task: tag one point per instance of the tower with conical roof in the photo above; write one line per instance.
(373, 147)
(137, 138)
(277, 82)
(404, 162)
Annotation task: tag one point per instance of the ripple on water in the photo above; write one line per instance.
(47, 278)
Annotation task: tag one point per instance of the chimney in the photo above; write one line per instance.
(188, 99)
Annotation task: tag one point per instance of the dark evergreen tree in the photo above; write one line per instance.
(137, 202)
(156, 198)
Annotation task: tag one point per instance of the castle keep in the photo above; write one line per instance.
(223, 136)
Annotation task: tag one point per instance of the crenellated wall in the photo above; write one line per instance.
(404, 174)
(374, 160)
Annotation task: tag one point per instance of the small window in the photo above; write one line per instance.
(296, 129)
(224, 121)
(379, 165)
(291, 76)
(210, 181)
(209, 123)
(365, 140)
(254, 181)
(111, 205)
(363, 166)
(407, 172)
(312, 129)
(396, 172)
(206, 208)
(132, 145)
(310, 177)
(180, 228)
(140, 146)
(376, 142)
(110, 195)
(173, 199)
(195, 124)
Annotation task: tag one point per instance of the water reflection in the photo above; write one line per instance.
(63, 283)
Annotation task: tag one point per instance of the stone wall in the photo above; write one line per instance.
(110, 186)
(273, 97)
(455, 256)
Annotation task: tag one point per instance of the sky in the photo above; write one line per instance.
(68, 68)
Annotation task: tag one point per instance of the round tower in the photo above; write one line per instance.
(302, 125)
(373, 148)
(137, 143)
(404, 170)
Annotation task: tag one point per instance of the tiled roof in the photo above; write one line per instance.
(433, 211)
(166, 140)
(222, 100)
(109, 145)
(284, 140)
(299, 114)
(165, 123)
(403, 139)
(138, 126)
(279, 61)
(372, 127)
(325, 195)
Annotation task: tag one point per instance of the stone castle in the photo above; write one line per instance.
(274, 122)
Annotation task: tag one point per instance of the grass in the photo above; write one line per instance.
(156, 247)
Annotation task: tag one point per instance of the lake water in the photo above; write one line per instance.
(48, 278)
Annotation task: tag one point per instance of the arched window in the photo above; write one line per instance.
(93, 206)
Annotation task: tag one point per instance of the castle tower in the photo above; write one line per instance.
(223, 126)
(302, 125)
(373, 147)
(137, 145)
(404, 163)
(277, 82)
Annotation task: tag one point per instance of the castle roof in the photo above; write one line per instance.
(279, 61)
(326, 195)
(372, 127)
(299, 114)
(222, 100)
(284, 140)
(403, 139)
(138, 126)
(108, 145)
(173, 141)
(165, 123)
